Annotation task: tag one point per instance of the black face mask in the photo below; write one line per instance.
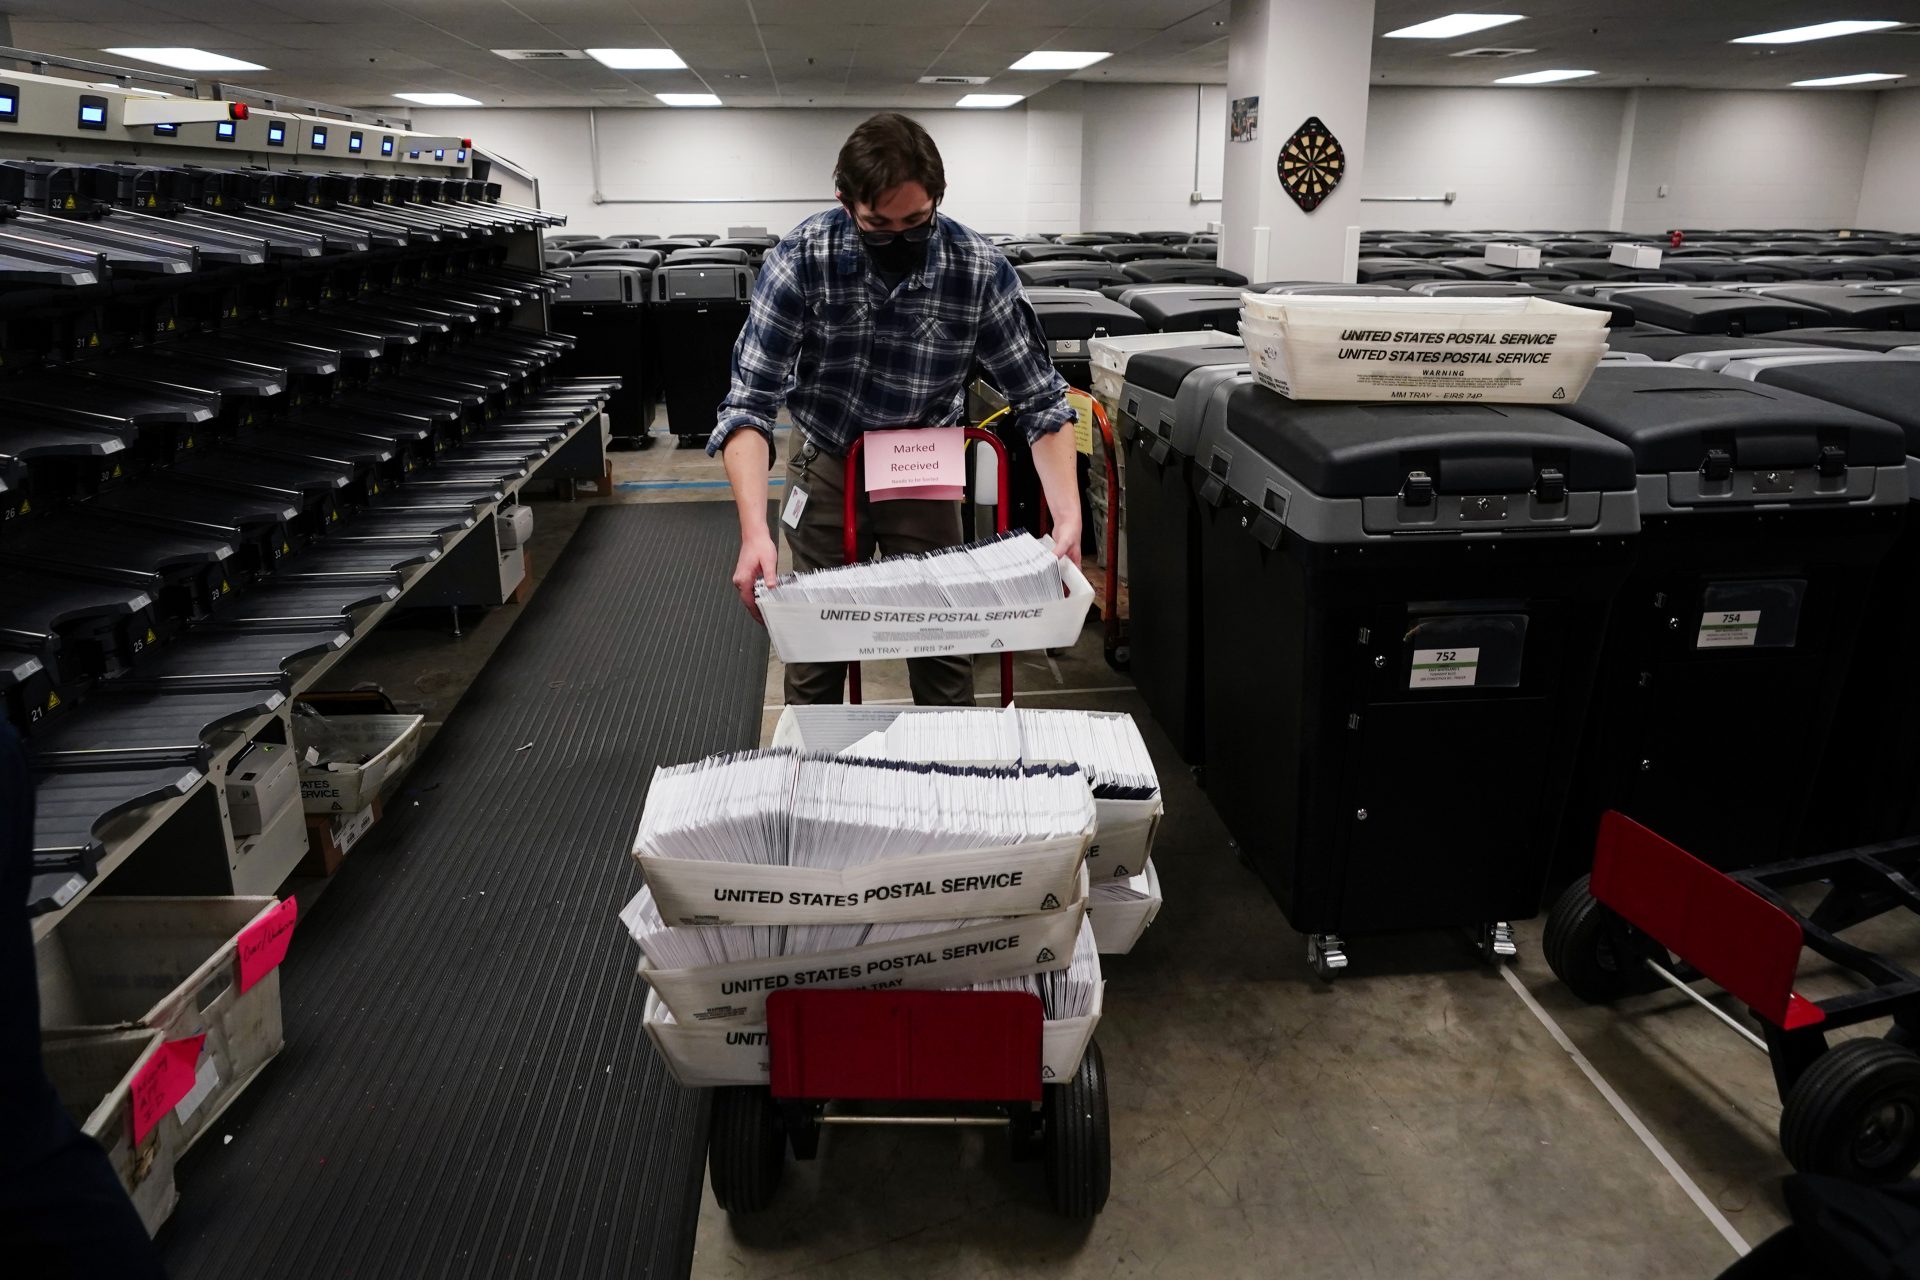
(898, 252)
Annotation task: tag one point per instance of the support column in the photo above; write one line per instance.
(1301, 58)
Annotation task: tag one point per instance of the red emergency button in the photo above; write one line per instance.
(237, 110)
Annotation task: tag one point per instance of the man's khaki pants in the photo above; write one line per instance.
(903, 526)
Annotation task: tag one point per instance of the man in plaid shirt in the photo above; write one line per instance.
(871, 315)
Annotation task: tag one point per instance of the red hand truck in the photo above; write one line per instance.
(1651, 916)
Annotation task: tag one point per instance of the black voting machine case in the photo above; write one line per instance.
(1408, 600)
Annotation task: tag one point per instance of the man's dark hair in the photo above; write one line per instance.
(887, 150)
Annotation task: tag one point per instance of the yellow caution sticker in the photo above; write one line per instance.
(151, 638)
(53, 700)
(1082, 404)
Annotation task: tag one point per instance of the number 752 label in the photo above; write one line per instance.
(1437, 668)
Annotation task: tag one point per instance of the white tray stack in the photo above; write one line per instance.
(1500, 350)
(770, 871)
(1126, 892)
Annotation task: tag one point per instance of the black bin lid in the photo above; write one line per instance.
(1081, 313)
(1670, 416)
(1887, 389)
(1721, 311)
(1852, 339)
(1357, 450)
(1162, 372)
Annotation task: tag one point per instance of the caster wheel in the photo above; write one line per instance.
(1592, 951)
(692, 442)
(1327, 953)
(1855, 1114)
(1496, 943)
(1076, 1147)
(1120, 657)
(746, 1148)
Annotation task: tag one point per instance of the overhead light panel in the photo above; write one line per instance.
(439, 99)
(1057, 60)
(1818, 31)
(187, 59)
(638, 59)
(989, 100)
(1544, 77)
(689, 99)
(1454, 24)
(1862, 77)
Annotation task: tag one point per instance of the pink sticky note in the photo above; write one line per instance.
(263, 944)
(926, 463)
(163, 1081)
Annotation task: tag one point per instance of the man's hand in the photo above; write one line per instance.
(748, 455)
(759, 562)
(1055, 459)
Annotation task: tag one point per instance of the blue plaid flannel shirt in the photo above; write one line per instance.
(824, 334)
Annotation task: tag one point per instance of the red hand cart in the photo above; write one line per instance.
(949, 1058)
(1651, 915)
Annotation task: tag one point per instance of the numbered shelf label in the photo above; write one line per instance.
(1729, 630)
(1437, 668)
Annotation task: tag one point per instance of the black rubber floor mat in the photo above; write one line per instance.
(466, 1088)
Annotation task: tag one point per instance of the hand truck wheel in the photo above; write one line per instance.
(1078, 1151)
(1120, 657)
(1855, 1113)
(746, 1148)
(1595, 954)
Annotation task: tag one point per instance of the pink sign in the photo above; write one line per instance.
(163, 1081)
(263, 944)
(926, 463)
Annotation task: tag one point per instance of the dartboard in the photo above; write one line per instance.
(1311, 164)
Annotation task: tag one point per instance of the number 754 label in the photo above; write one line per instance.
(1723, 630)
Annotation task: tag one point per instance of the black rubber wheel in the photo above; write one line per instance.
(1120, 657)
(1897, 1034)
(1855, 1114)
(1592, 951)
(1078, 1151)
(746, 1148)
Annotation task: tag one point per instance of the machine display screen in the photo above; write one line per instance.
(413, 155)
(386, 146)
(439, 153)
(223, 131)
(319, 139)
(166, 131)
(93, 115)
(355, 141)
(276, 135)
(461, 155)
(7, 106)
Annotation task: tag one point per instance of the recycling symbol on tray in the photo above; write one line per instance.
(1311, 164)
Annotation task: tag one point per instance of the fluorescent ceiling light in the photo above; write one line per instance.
(638, 59)
(689, 99)
(1454, 24)
(1057, 60)
(1818, 31)
(187, 59)
(439, 99)
(989, 99)
(1544, 77)
(1862, 77)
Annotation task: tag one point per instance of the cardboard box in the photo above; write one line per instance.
(391, 743)
(710, 1056)
(1124, 830)
(93, 1074)
(1644, 256)
(331, 836)
(1012, 880)
(172, 965)
(1512, 255)
(842, 633)
(737, 992)
(1119, 922)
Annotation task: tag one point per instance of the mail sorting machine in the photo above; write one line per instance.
(1402, 611)
(244, 414)
(699, 309)
(1765, 515)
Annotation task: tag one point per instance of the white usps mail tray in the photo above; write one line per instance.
(1119, 923)
(806, 632)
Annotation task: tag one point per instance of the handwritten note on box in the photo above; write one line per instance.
(925, 463)
(263, 944)
(166, 1078)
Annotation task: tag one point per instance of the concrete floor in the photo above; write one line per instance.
(1415, 1119)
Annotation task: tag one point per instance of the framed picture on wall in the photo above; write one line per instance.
(1244, 122)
